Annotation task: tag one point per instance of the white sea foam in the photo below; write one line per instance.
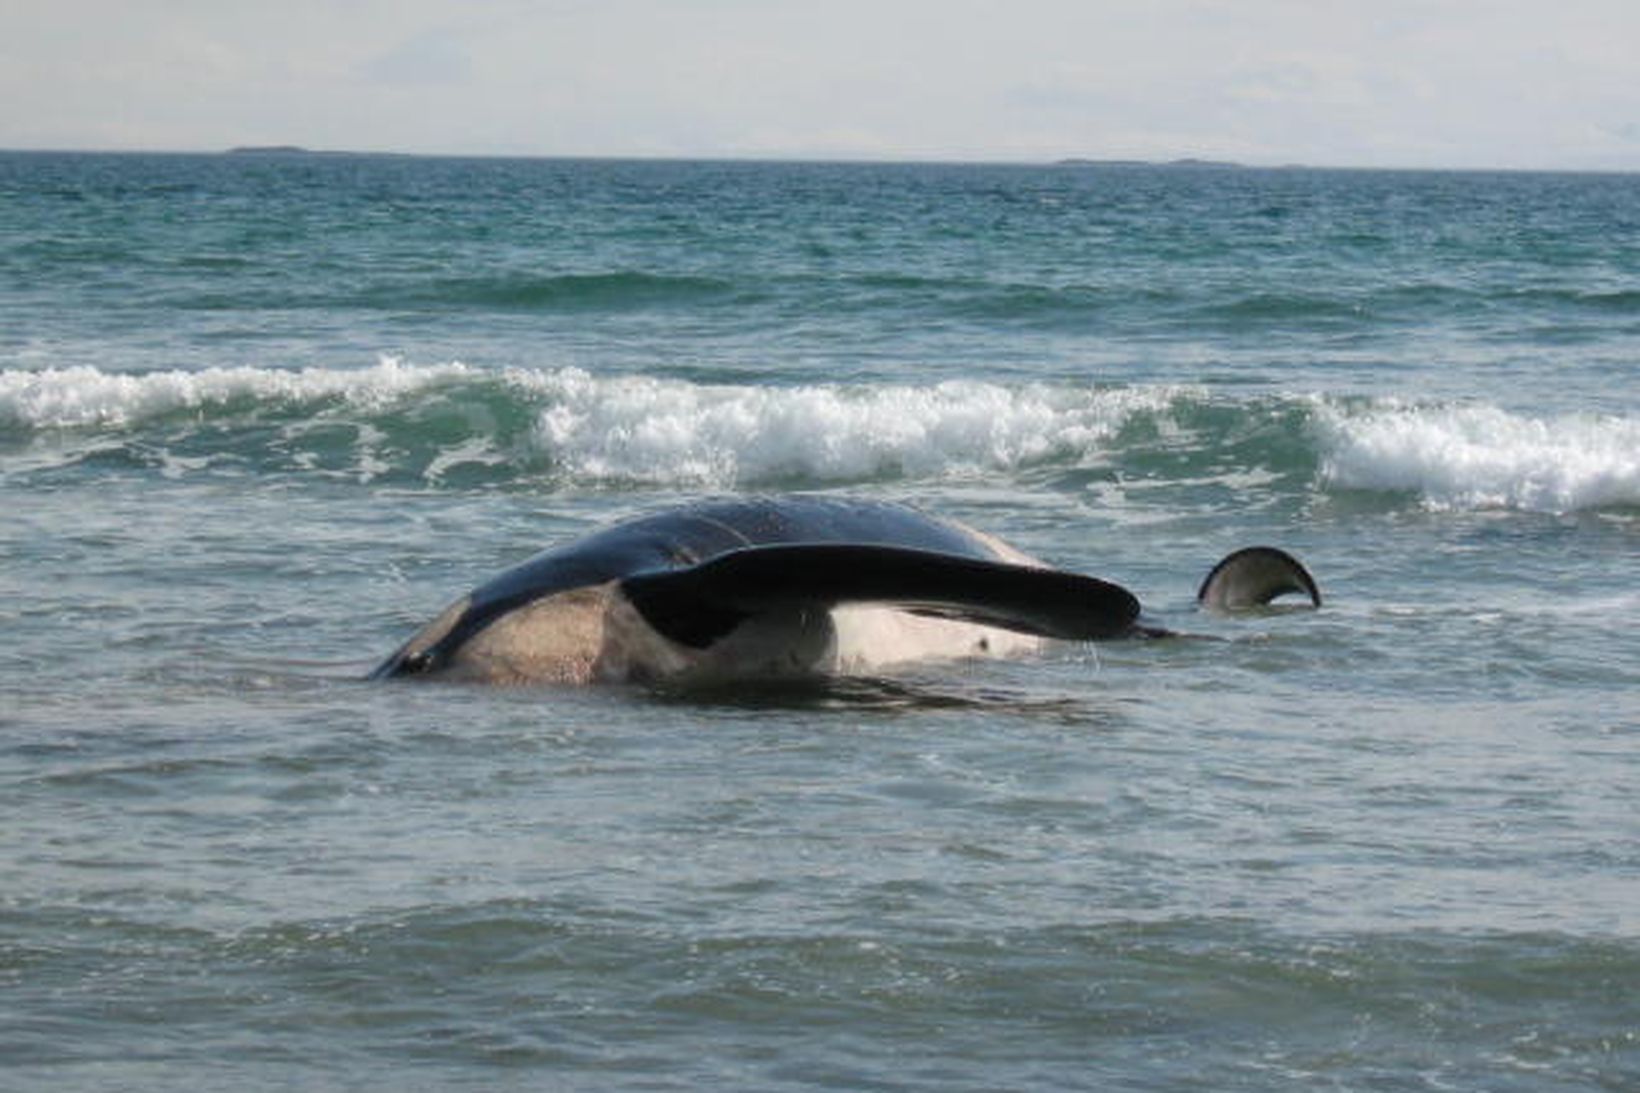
(632, 429)
(87, 396)
(659, 430)
(1485, 457)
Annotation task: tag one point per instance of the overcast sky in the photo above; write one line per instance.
(1422, 83)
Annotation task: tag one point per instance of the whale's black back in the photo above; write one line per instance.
(692, 534)
(682, 537)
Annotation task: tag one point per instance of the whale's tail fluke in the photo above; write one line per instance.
(1253, 576)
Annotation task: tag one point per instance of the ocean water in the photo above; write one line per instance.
(261, 416)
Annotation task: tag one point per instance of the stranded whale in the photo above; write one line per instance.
(786, 586)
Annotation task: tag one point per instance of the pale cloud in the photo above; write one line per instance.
(1396, 82)
(437, 57)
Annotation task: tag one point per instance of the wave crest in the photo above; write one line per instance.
(448, 424)
(657, 431)
(1467, 457)
(85, 396)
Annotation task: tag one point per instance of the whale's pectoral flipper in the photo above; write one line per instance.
(702, 603)
(1254, 576)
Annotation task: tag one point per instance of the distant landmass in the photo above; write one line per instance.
(1217, 164)
(1186, 163)
(298, 150)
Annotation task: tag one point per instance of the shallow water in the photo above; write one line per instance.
(260, 418)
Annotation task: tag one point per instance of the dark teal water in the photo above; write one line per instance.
(261, 416)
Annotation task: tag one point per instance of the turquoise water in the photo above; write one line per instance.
(261, 416)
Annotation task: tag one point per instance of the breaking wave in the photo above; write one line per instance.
(1469, 457)
(655, 430)
(85, 396)
(451, 425)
